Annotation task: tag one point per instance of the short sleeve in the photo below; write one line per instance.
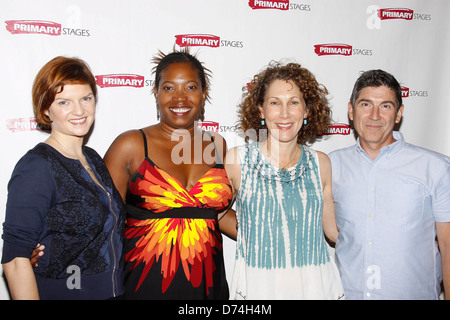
(441, 194)
(31, 191)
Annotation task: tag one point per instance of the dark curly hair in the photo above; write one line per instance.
(319, 113)
(162, 61)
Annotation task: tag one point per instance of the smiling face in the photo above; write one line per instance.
(180, 96)
(73, 110)
(374, 116)
(283, 110)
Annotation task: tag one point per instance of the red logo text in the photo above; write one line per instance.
(269, 4)
(395, 13)
(120, 80)
(208, 125)
(338, 128)
(22, 124)
(195, 40)
(333, 49)
(405, 92)
(33, 27)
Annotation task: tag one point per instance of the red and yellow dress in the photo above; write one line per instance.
(173, 245)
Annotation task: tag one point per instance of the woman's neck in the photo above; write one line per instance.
(69, 146)
(175, 134)
(281, 154)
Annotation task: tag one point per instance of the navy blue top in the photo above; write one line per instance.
(52, 200)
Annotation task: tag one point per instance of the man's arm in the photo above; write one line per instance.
(443, 235)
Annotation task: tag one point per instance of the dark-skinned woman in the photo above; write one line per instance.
(172, 179)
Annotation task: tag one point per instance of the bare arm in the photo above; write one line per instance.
(443, 235)
(119, 159)
(228, 223)
(21, 279)
(233, 169)
(328, 215)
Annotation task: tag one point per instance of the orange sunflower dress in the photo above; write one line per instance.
(173, 245)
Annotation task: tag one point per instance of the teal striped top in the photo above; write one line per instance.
(280, 213)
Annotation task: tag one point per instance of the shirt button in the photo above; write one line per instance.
(368, 294)
(369, 242)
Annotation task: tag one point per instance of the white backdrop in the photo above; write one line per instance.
(235, 39)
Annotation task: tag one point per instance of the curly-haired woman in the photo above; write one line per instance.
(283, 190)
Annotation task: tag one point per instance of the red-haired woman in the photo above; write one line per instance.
(61, 196)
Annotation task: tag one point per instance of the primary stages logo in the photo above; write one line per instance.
(194, 40)
(395, 13)
(333, 49)
(42, 27)
(271, 4)
(377, 14)
(215, 127)
(22, 124)
(208, 125)
(337, 128)
(339, 49)
(33, 27)
(278, 5)
(205, 40)
(406, 92)
(401, 13)
(120, 80)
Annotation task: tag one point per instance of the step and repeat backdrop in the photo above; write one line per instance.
(235, 39)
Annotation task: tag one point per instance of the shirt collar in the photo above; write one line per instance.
(386, 150)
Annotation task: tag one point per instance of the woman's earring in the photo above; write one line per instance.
(263, 122)
(305, 121)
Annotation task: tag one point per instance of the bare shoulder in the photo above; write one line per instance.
(232, 157)
(233, 168)
(325, 168)
(125, 142)
(127, 148)
(220, 143)
(130, 136)
(218, 138)
(324, 160)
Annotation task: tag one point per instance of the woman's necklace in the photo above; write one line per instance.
(283, 168)
(85, 165)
